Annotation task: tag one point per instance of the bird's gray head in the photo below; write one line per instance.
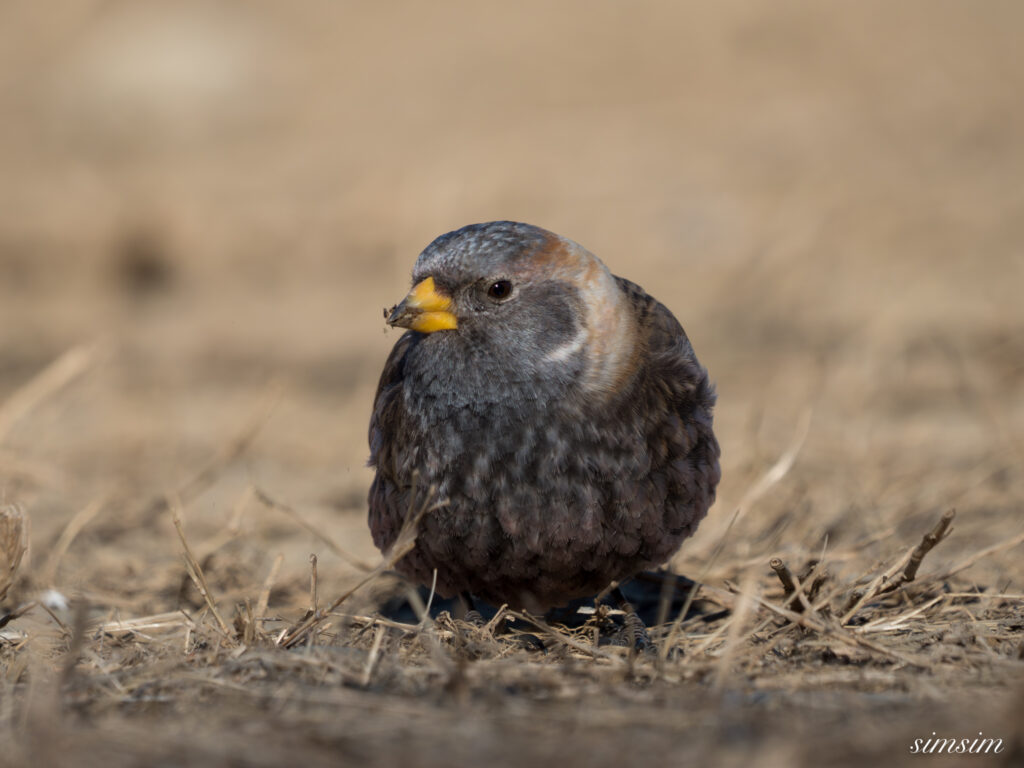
(524, 300)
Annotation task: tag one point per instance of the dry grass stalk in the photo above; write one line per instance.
(13, 544)
(271, 503)
(268, 585)
(771, 477)
(982, 555)
(155, 622)
(195, 571)
(677, 624)
(78, 634)
(745, 609)
(781, 467)
(808, 622)
(67, 537)
(887, 624)
(371, 660)
(402, 545)
(563, 638)
(314, 597)
(54, 377)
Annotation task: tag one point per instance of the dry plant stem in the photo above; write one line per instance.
(985, 595)
(490, 626)
(67, 537)
(54, 617)
(271, 503)
(981, 555)
(54, 377)
(885, 625)
(879, 584)
(158, 621)
(744, 609)
(427, 632)
(774, 474)
(711, 639)
(372, 621)
(416, 603)
(78, 632)
(13, 544)
(785, 576)
(268, 585)
(314, 598)
(681, 617)
(819, 626)
(371, 661)
(430, 597)
(563, 639)
(799, 596)
(781, 467)
(402, 545)
(794, 595)
(193, 567)
(937, 534)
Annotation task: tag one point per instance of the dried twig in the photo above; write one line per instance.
(783, 572)
(881, 583)
(401, 546)
(314, 598)
(195, 571)
(808, 622)
(268, 585)
(794, 596)
(928, 542)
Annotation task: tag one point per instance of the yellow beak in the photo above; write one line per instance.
(425, 309)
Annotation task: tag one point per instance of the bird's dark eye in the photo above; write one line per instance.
(500, 289)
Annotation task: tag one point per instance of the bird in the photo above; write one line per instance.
(557, 413)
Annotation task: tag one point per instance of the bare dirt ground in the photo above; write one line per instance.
(203, 209)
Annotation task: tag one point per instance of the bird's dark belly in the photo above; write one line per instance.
(536, 516)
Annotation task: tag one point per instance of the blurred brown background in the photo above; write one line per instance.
(225, 194)
(213, 201)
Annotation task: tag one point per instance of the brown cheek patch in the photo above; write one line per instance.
(610, 326)
(557, 259)
(611, 329)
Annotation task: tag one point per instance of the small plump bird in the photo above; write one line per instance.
(558, 411)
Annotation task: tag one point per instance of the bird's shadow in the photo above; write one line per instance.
(656, 596)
